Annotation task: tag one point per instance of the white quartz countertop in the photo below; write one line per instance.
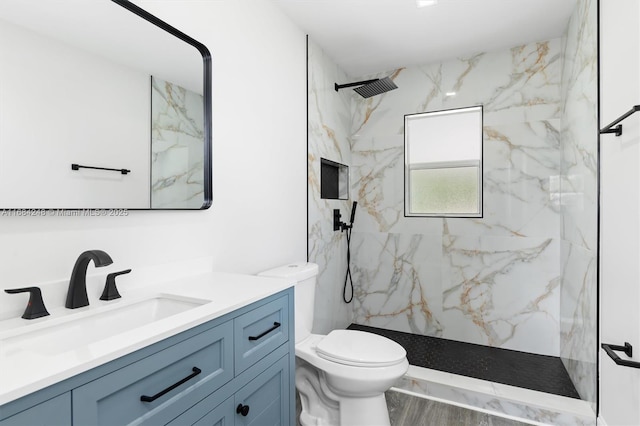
(23, 370)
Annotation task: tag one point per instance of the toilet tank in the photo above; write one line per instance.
(304, 276)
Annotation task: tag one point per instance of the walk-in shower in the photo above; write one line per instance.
(519, 280)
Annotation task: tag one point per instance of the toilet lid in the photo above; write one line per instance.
(360, 348)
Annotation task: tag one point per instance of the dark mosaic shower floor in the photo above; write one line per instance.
(531, 371)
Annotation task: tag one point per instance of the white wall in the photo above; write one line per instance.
(620, 213)
(258, 217)
(84, 94)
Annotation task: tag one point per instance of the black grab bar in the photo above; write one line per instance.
(618, 129)
(627, 349)
(78, 167)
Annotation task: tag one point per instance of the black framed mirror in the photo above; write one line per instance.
(102, 106)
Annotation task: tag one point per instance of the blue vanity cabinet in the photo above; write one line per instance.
(266, 398)
(197, 377)
(166, 380)
(259, 332)
(53, 412)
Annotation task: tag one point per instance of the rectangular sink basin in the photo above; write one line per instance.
(84, 328)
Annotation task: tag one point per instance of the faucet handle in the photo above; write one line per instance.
(35, 306)
(110, 291)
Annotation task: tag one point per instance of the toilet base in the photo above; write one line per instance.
(323, 407)
(370, 411)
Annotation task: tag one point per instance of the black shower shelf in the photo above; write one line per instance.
(618, 129)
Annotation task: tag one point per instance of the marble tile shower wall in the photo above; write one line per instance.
(578, 194)
(494, 280)
(329, 124)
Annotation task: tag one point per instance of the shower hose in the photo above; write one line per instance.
(347, 278)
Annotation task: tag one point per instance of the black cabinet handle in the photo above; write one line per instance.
(627, 349)
(242, 409)
(275, 325)
(145, 398)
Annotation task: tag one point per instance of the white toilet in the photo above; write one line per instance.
(341, 377)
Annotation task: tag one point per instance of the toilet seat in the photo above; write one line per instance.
(360, 349)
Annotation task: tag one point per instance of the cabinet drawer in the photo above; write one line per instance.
(266, 398)
(222, 415)
(170, 377)
(54, 412)
(260, 331)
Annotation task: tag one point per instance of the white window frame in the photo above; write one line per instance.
(408, 212)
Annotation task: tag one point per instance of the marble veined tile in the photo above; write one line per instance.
(520, 160)
(578, 326)
(177, 146)
(329, 125)
(502, 292)
(579, 200)
(522, 404)
(397, 279)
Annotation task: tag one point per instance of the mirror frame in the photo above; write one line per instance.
(206, 91)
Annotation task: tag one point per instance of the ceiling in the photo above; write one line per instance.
(369, 36)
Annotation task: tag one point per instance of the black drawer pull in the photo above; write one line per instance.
(145, 398)
(275, 325)
(242, 409)
(627, 349)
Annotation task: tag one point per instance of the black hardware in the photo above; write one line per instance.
(618, 129)
(35, 305)
(357, 83)
(353, 212)
(77, 293)
(627, 349)
(337, 223)
(110, 291)
(242, 409)
(370, 88)
(206, 87)
(275, 325)
(78, 167)
(145, 398)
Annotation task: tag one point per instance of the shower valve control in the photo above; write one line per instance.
(337, 223)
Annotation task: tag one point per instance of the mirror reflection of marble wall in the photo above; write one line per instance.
(177, 144)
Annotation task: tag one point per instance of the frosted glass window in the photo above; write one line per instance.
(443, 163)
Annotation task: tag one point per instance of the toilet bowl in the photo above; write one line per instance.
(341, 377)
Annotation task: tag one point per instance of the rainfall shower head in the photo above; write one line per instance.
(370, 88)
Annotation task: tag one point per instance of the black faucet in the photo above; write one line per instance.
(35, 307)
(77, 293)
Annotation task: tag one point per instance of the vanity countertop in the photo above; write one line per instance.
(23, 371)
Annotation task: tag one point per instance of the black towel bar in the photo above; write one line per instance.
(618, 129)
(627, 349)
(78, 167)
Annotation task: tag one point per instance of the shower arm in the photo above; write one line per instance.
(357, 83)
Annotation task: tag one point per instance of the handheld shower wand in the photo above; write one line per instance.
(343, 226)
(353, 213)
